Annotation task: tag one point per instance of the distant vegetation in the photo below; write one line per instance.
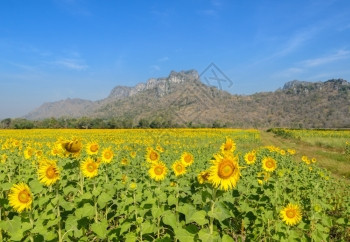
(99, 123)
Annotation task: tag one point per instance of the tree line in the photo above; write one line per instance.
(99, 123)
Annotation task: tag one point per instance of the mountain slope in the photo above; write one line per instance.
(181, 98)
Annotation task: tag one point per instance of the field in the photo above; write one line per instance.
(171, 185)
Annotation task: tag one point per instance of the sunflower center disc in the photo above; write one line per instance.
(228, 146)
(153, 156)
(290, 213)
(269, 164)
(226, 170)
(179, 168)
(188, 159)
(94, 148)
(250, 157)
(91, 167)
(108, 155)
(158, 171)
(23, 197)
(50, 172)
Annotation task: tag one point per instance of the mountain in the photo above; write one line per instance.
(181, 98)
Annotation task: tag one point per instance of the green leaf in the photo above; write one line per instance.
(103, 199)
(169, 219)
(69, 189)
(188, 210)
(157, 212)
(204, 235)
(100, 229)
(220, 212)
(86, 211)
(35, 186)
(199, 217)
(226, 238)
(147, 227)
(125, 227)
(183, 235)
(172, 200)
(6, 186)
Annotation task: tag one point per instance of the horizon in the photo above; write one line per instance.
(59, 49)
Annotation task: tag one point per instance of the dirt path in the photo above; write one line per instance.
(326, 158)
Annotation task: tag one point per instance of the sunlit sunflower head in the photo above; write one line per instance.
(203, 177)
(269, 164)
(28, 153)
(48, 173)
(132, 186)
(124, 178)
(133, 154)
(89, 168)
(152, 156)
(313, 160)
(107, 155)
(158, 171)
(229, 146)
(291, 214)
(179, 168)
(92, 148)
(282, 152)
(73, 146)
(20, 197)
(56, 150)
(39, 153)
(225, 172)
(124, 161)
(250, 157)
(3, 158)
(160, 148)
(291, 151)
(304, 158)
(187, 159)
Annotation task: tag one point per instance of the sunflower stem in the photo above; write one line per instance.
(96, 212)
(212, 211)
(32, 224)
(58, 214)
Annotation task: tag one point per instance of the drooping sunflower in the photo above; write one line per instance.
(225, 171)
(269, 164)
(152, 156)
(203, 177)
(158, 171)
(250, 157)
(107, 155)
(89, 168)
(20, 197)
(179, 168)
(48, 173)
(187, 158)
(229, 146)
(3, 158)
(291, 214)
(92, 148)
(73, 146)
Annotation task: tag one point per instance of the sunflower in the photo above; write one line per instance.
(263, 177)
(92, 148)
(48, 173)
(250, 157)
(152, 156)
(107, 155)
(269, 164)
(225, 171)
(89, 168)
(124, 161)
(124, 178)
(158, 171)
(228, 146)
(132, 186)
(291, 214)
(73, 146)
(187, 158)
(291, 151)
(28, 153)
(203, 177)
(313, 160)
(133, 154)
(20, 197)
(179, 168)
(3, 158)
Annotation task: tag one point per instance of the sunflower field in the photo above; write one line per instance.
(164, 185)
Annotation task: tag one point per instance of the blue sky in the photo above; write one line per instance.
(54, 49)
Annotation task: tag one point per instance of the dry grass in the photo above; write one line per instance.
(333, 160)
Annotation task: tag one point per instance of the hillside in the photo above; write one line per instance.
(181, 98)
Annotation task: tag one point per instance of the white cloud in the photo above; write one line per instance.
(163, 59)
(73, 64)
(339, 55)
